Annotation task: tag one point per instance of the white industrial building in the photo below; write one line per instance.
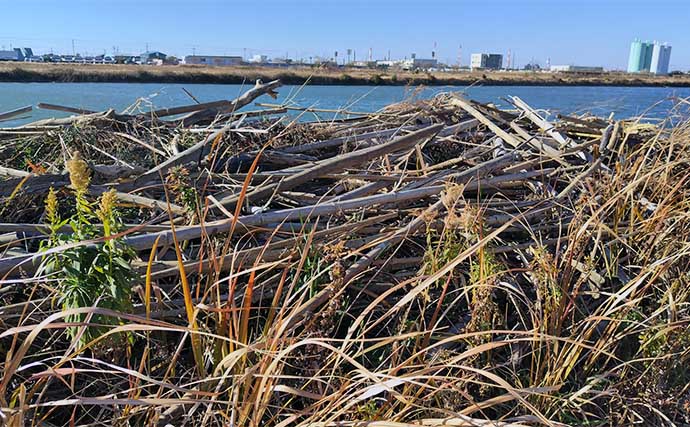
(418, 64)
(259, 59)
(486, 61)
(575, 69)
(407, 64)
(661, 56)
(213, 60)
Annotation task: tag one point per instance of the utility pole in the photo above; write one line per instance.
(73, 51)
(460, 56)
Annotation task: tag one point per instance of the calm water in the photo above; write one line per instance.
(623, 101)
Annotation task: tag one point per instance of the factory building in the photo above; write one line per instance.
(575, 69)
(489, 61)
(418, 64)
(213, 60)
(16, 54)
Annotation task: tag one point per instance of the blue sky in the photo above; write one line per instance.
(584, 32)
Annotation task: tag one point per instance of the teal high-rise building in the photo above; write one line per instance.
(640, 59)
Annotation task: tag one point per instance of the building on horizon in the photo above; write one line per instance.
(648, 57)
(221, 61)
(486, 61)
(16, 54)
(661, 56)
(150, 57)
(415, 63)
(259, 59)
(640, 59)
(575, 69)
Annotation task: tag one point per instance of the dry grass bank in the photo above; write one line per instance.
(36, 72)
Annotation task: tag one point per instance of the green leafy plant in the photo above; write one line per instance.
(93, 275)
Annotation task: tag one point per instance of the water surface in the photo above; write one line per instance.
(624, 102)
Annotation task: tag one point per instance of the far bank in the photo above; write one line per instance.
(49, 72)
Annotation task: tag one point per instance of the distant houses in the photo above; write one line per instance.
(153, 57)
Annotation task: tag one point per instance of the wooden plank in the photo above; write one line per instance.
(538, 120)
(45, 106)
(14, 113)
(465, 105)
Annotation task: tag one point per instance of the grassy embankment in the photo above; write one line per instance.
(27, 72)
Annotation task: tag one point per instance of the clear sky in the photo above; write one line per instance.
(584, 32)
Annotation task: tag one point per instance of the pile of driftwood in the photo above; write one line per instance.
(284, 213)
(374, 181)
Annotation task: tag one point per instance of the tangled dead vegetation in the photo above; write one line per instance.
(439, 262)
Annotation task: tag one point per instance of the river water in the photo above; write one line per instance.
(624, 102)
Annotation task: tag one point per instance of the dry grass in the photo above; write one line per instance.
(594, 330)
(298, 75)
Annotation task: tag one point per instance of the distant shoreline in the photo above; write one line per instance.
(98, 73)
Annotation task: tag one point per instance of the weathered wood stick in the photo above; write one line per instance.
(590, 124)
(193, 153)
(234, 105)
(538, 120)
(170, 268)
(45, 106)
(335, 164)
(14, 113)
(13, 173)
(465, 105)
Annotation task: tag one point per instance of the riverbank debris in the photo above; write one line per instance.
(440, 261)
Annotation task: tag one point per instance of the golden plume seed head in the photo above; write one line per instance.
(106, 205)
(451, 194)
(52, 206)
(469, 219)
(79, 172)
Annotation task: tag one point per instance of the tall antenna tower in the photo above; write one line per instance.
(433, 52)
(508, 60)
(460, 56)
(371, 55)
